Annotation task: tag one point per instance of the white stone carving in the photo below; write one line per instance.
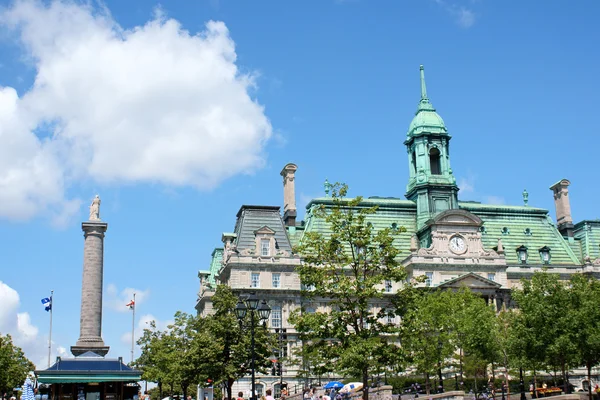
(95, 209)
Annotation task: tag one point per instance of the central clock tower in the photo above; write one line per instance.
(431, 184)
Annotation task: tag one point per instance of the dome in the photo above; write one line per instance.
(426, 119)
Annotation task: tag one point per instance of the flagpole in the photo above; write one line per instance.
(133, 328)
(50, 335)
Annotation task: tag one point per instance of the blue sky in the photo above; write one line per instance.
(176, 121)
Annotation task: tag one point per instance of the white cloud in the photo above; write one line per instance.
(118, 300)
(463, 16)
(154, 103)
(466, 185)
(24, 333)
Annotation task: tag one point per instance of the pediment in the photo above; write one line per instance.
(456, 217)
(265, 230)
(472, 281)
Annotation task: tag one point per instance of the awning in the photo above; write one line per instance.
(81, 378)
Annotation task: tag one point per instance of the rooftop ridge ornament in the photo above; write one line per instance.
(525, 197)
(327, 187)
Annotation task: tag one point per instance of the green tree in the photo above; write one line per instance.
(427, 333)
(193, 345)
(230, 348)
(473, 327)
(585, 306)
(544, 328)
(347, 268)
(14, 365)
(155, 360)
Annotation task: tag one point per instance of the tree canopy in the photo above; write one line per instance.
(14, 366)
(348, 269)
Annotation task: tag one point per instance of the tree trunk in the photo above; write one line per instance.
(534, 394)
(564, 375)
(589, 376)
(427, 383)
(365, 379)
(160, 391)
(228, 388)
(184, 387)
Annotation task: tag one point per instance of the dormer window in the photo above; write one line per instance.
(545, 254)
(265, 241)
(505, 231)
(527, 232)
(522, 254)
(434, 161)
(265, 247)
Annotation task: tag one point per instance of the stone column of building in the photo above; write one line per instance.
(90, 329)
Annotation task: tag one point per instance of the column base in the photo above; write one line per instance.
(84, 346)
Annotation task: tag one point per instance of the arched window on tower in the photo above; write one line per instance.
(414, 162)
(434, 161)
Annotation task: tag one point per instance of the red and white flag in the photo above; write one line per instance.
(131, 305)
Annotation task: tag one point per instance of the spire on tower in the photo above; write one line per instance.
(423, 87)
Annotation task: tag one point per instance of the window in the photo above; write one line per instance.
(265, 247)
(276, 280)
(491, 276)
(388, 286)
(255, 280)
(276, 317)
(429, 280)
(390, 319)
(505, 231)
(414, 162)
(434, 161)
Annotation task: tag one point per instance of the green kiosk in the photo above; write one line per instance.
(90, 377)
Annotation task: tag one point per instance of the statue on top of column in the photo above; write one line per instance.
(95, 209)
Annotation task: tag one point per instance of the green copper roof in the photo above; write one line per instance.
(588, 233)
(391, 212)
(215, 264)
(515, 225)
(426, 119)
(522, 225)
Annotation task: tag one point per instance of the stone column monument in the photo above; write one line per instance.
(90, 328)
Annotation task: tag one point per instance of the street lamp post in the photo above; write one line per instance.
(251, 303)
(522, 385)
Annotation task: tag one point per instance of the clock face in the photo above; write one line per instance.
(457, 244)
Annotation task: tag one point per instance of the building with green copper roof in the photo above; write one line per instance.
(453, 243)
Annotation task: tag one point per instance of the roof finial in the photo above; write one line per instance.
(525, 197)
(327, 187)
(423, 87)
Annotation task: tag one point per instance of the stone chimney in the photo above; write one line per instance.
(289, 194)
(563, 207)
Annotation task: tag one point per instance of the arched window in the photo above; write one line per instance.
(414, 162)
(434, 161)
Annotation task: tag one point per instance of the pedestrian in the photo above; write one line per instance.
(269, 396)
(240, 396)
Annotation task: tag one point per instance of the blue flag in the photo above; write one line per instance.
(47, 303)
